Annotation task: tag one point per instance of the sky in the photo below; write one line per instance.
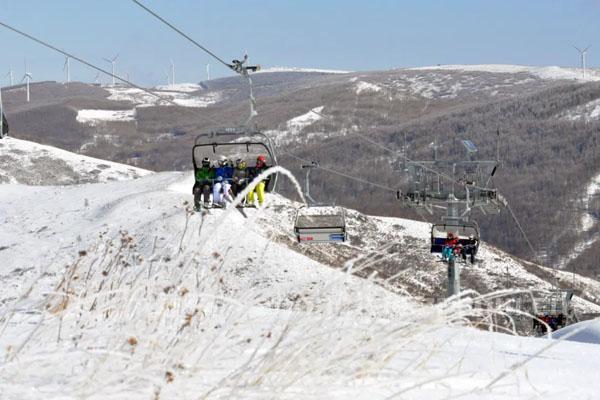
(336, 34)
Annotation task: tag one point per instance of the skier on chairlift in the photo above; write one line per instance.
(204, 177)
(222, 187)
(261, 165)
(451, 242)
(239, 177)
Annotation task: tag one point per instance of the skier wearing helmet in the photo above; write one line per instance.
(451, 241)
(239, 179)
(203, 181)
(222, 186)
(261, 165)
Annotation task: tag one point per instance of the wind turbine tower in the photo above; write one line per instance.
(27, 78)
(582, 54)
(67, 67)
(172, 73)
(113, 62)
(10, 76)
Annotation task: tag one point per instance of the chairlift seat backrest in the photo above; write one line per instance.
(236, 143)
(320, 228)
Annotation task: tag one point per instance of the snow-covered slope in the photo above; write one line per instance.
(116, 290)
(550, 72)
(26, 162)
(299, 69)
(181, 94)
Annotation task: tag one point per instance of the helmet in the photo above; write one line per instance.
(206, 162)
(240, 164)
(261, 160)
(222, 161)
(450, 234)
(219, 178)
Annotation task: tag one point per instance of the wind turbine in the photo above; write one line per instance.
(10, 75)
(97, 78)
(172, 73)
(27, 77)
(67, 67)
(208, 72)
(582, 54)
(113, 63)
(1, 116)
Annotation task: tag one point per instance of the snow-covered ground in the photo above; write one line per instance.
(22, 161)
(181, 94)
(181, 304)
(551, 72)
(586, 112)
(117, 290)
(298, 69)
(298, 123)
(93, 117)
(295, 128)
(180, 87)
(587, 223)
(362, 86)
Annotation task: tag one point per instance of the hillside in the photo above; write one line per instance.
(120, 282)
(29, 163)
(532, 107)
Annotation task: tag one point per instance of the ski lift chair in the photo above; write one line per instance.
(319, 223)
(467, 233)
(555, 305)
(236, 143)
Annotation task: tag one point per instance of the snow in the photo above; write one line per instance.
(298, 69)
(362, 86)
(180, 87)
(584, 332)
(22, 161)
(184, 98)
(296, 125)
(117, 290)
(92, 117)
(587, 112)
(592, 190)
(300, 122)
(587, 223)
(550, 72)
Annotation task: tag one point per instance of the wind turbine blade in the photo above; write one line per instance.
(115, 59)
(107, 60)
(587, 48)
(577, 48)
(24, 76)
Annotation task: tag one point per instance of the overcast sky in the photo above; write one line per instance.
(336, 34)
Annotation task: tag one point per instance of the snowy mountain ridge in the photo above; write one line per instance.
(547, 72)
(30, 163)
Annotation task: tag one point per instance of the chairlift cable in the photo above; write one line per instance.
(342, 174)
(236, 66)
(396, 152)
(203, 48)
(521, 229)
(89, 64)
(170, 25)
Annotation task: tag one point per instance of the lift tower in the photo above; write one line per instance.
(458, 187)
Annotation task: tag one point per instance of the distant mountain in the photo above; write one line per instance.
(547, 117)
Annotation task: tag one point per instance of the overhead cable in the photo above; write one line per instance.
(102, 70)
